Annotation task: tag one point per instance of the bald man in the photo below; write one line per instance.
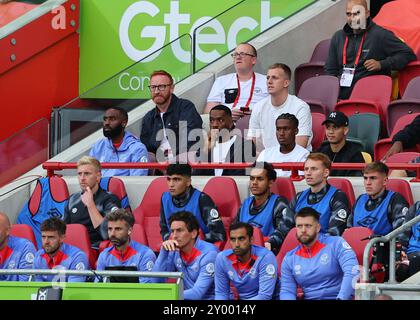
(15, 253)
(362, 48)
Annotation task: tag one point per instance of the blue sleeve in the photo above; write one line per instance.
(221, 280)
(80, 262)
(92, 152)
(288, 287)
(350, 266)
(147, 263)
(267, 277)
(27, 258)
(205, 278)
(141, 156)
(37, 265)
(163, 263)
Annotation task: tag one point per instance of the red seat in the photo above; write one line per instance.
(147, 214)
(382, 146)
(402, 157)
(116, 186)
(318, 130)
(410, 71)
(289, 243)
(23, 231)
(77, 236)
(354, 237)
(284, 187)
(344, 185)
(257, 235)
(320, 93)
(401, 186)
(224, 192)
(370, 95)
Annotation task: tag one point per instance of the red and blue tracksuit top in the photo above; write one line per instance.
(254, 280)
(67, 258)
(326, 271)
(198, 269)
(18, 254)
(136, 255)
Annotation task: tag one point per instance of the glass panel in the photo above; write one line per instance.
(241, 23)
(23, 151)
(127, 89)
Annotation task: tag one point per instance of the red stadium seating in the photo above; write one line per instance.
(410, 71)
(318, 130)
(77, 235)
(147, 214)
(344, 185)
(354, 237)
(289, 244)
(370, 95)
(284, 187)
(383, 145)
(23, 231)
(116, 186)
(401, 186)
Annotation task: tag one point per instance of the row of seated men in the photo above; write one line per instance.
(360, 49)
(379, 209)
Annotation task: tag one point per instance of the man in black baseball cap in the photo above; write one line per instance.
(336, 147)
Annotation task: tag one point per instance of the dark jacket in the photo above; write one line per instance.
(349, 153)
(380, 44)
(242, 150)
(181, 117)
(410, 135)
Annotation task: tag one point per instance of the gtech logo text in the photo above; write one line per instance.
(223, 31)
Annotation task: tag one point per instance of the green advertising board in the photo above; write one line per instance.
(122, 42)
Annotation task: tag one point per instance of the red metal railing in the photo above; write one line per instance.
(294, 167)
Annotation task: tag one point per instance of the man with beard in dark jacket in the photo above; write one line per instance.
(362, 48)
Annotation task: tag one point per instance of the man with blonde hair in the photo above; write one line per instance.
(89, 206)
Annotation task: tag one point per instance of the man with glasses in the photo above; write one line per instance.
(242, 89)
(166, 128)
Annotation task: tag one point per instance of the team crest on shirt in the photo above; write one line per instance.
(270, 269)
(214, 214)
(346, 245)
(257, 90)
(342, 213)
(11, 265)
(253, 273)
(74, 210)
(324, 258)
(298, 269)
(143, 159)
(178, 263)
(230, 274)
(210, 268)
(149, 265)
(404, 210)
(29, 257)
(80, 266)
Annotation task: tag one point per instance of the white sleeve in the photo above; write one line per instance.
(305, 120)
(216, 92)
(261, 157)
(254, 129)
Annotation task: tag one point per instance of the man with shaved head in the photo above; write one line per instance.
(15, 253)
(362, 48)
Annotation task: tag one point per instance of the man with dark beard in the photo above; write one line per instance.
(323, 266)
(124, 251)
(55, 254)
(119, 145)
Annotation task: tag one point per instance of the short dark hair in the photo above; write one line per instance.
(290, 117)
(307, 212)
(188, 218)
(284, 67)
(254, 51)
(123, 112)
(54, 224)
(162, 73)
(271, 172)
(238, 225)
(376, 166)
(318, 156)
(222, 107)
(183, 169)
(121, 214)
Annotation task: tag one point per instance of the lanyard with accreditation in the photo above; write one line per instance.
(348, 73)
(239, 92)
